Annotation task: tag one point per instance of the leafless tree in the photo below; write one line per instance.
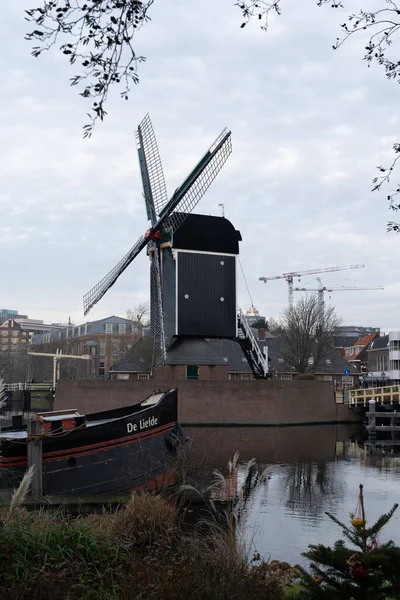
(139, 313)
(273, 324)
(307, 334)
(382, 25)
(14, 365)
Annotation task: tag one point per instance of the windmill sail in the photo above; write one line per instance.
(156, 311)
(188, 195)
(155, 191)
(163, 214)
(98, 291)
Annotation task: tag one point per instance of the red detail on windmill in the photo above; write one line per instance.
(152, 235)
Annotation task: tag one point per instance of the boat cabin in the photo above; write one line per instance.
(61, 420)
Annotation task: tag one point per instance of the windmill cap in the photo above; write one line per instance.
(207, 234)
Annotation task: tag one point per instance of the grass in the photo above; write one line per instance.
(138, 552)
(144, 551)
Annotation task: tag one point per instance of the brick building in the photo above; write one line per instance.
(106, 341)
(15, 336)
(357, 353)
(13, 344)
(219, 359)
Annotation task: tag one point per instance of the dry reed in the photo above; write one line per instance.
(19, 495)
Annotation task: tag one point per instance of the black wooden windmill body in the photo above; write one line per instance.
(192, 257)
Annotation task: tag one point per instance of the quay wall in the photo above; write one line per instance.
(215, 402)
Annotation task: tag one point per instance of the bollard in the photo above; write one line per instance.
(372, 418)
(35, 457)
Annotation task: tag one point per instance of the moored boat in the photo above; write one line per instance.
(115, 451)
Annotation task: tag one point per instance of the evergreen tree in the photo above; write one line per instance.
(260, 324)
(368, 571)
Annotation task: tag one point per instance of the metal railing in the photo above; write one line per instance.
(14, 387)
(383, 395)
(255, 348)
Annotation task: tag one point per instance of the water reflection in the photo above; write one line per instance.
(310, 488)
(311, 470)
(270, 445)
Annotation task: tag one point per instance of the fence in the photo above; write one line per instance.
(384, 395)
(14, 387)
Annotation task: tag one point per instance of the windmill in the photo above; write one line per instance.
(192, 257)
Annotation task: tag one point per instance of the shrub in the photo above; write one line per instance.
(143, 520)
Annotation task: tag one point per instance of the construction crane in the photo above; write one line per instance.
(321, 289)
(289, 277)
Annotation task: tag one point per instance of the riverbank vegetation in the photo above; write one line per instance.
(148, 550)
(142, 551)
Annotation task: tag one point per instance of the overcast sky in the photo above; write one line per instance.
(309, 125)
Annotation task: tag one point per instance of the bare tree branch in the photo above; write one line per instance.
(139, 313)
(258, 9)
(383, 26)
(96, 35)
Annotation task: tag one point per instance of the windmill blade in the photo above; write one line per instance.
(188, 195)
(98, 291)
(156, 312)
(155, 191)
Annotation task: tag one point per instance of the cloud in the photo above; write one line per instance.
(309, 126)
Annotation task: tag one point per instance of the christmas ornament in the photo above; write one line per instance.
(360, 572)
(359, 515)
(373, 545)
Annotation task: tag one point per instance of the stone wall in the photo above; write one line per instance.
(206, 372)
(215, 402)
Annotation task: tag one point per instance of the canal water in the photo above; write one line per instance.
(310, 470)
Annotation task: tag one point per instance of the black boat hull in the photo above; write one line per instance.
(111, 454)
